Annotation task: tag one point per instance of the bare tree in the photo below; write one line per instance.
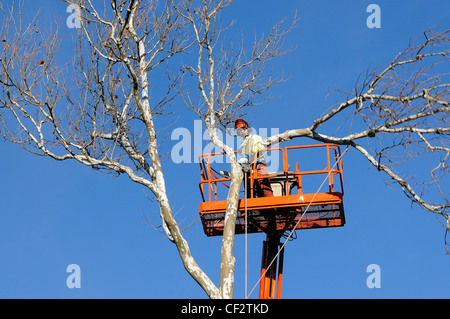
(403, 107)
(100, 114)
(229, 80)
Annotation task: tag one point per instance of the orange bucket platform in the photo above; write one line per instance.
(309, 196)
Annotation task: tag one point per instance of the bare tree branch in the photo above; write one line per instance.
(107, 121)
(405, 109)
(228, 83)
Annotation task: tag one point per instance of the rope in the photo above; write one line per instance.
(246, 252)
(298, 222)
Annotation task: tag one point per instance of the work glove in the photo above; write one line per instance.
(243, 161)
(246, 168)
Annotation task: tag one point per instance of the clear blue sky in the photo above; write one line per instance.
(54, 214)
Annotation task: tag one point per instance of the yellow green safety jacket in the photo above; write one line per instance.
(249, 147)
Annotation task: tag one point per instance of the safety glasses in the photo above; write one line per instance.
(240, 130)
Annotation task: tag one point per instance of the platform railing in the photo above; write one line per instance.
(211, 180)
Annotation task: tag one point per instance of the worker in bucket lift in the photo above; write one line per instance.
(249, 152)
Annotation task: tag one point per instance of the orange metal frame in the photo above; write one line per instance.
(290, 210)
